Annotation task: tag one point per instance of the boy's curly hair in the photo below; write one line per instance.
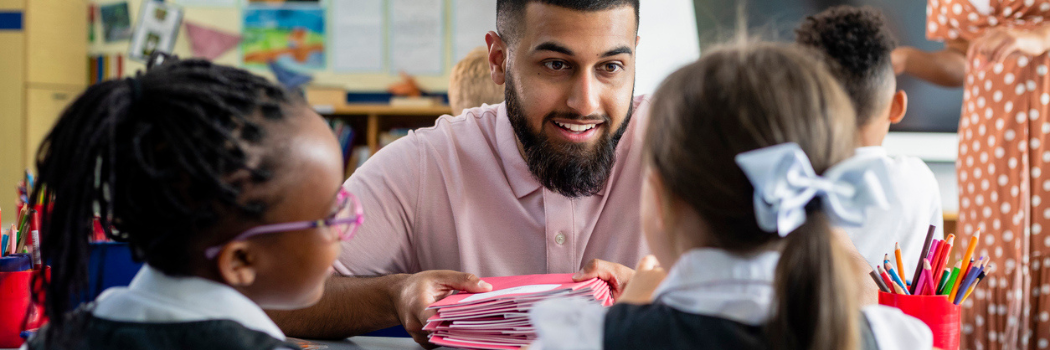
(858, 45)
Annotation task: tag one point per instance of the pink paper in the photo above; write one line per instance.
(499, 319)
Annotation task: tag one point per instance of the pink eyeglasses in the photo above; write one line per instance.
(345, 223)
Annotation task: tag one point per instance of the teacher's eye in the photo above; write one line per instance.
(556, 65)
(612, 67)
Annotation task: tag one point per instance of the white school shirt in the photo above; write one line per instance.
(153, 297)
(711, 282)
(915, 204)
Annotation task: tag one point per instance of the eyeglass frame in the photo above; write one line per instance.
(354, 221)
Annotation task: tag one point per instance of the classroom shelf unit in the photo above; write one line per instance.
(372, 120)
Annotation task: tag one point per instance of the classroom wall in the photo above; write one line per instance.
(12, 125)
(230, 19)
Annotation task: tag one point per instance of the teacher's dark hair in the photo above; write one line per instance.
(509, 13)
(161, 157)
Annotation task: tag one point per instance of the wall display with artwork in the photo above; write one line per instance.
(157, 29)
(291, 35)
(116, 22)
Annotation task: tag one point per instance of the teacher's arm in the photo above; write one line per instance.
(945, 68)
(388, 186)
(356, 305)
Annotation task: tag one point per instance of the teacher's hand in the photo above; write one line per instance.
(414, 294)
(614, 274)
(998, 43)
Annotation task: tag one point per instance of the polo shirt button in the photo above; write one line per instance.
(560, 238)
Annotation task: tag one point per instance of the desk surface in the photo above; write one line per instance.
(356, 343)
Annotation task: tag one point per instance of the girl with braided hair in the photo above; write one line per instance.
(225, 185)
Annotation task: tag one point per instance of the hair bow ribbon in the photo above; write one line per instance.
(785, 182)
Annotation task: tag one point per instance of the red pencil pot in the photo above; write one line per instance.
(15, 297)
(935, 311)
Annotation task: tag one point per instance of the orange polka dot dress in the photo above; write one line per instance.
(1004, 173)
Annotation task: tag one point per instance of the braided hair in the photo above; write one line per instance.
(160, 157)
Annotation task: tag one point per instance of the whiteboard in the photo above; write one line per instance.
(669, 40)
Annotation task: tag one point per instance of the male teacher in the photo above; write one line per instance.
(547, 182)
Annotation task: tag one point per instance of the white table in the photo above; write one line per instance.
(360, 343)
(363, 343)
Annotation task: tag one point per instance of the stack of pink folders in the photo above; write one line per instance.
(500, 319)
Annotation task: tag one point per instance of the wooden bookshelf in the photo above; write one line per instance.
(374, 119)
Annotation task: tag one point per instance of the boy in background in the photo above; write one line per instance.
(857, 42)
(471, 84)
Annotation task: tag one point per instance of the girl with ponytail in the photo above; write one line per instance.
(225, 185)
(747, 172)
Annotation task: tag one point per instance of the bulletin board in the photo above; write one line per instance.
(361, 46)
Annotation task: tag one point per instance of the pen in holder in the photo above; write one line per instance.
(15, 297)
(935, 311)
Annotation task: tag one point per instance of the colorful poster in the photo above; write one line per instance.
(116, 22)
(295, 36)
(283, 1)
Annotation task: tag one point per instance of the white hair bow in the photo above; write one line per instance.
(785, 182)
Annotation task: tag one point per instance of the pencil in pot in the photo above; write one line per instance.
(900, 262)
(925, 251)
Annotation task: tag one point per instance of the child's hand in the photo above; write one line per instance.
(647, 276)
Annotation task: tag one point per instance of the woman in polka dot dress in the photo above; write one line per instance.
(997, 49)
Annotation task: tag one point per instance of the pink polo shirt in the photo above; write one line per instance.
(459, 196)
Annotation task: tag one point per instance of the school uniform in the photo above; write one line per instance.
(157, 311)
(710, 300)
(914, 205)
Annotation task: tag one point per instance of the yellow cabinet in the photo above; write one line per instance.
(43, 67)
(43, 107)
(56, 41)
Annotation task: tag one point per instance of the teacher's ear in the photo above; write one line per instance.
(497, 57)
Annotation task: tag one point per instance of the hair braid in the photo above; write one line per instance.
(153, 156)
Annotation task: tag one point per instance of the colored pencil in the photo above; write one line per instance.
(974, 286)
(896, 279)
(919, 283)
(10, 248)
(927, 273)
(900, 290)
(935, 249)
(879, 282)
(924, 252)
(38, 262)
(885, 277)
(900, 262)
(943, 281)
(969, 252)
(961, 279)
(951, 279)
(942, 259)
(971, 276)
